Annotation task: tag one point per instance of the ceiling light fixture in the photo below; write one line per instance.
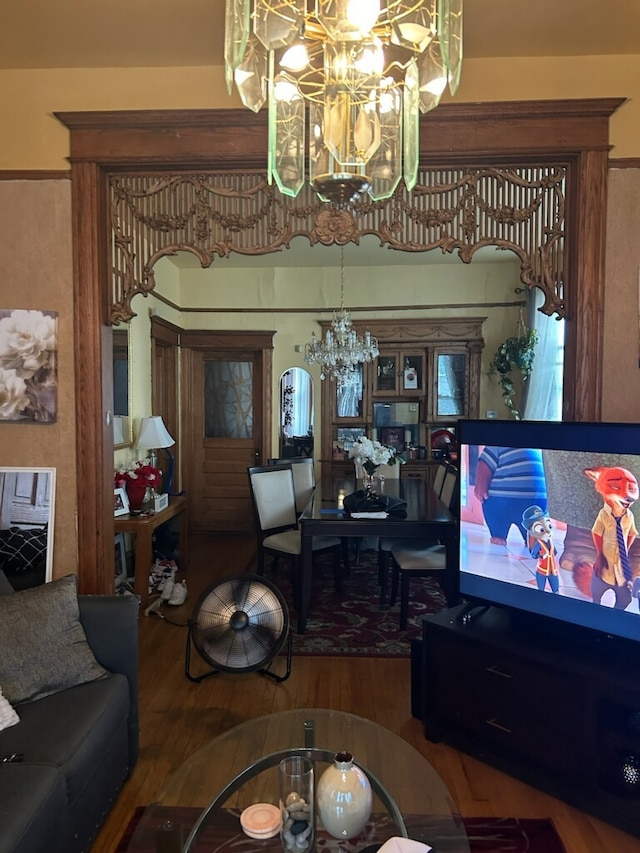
(342, 349)
(360, 72)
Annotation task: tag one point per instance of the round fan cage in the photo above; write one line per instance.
(240, 623)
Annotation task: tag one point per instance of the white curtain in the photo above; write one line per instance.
(296, 404)
(543, 401)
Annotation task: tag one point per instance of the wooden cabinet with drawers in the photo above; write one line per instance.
(554, 706)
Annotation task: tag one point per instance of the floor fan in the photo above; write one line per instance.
(239, 624)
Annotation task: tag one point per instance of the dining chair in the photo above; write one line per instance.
(274, 503)
(386, 544)
(304, 478)
(426, 560)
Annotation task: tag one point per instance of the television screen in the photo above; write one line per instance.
(550, 520)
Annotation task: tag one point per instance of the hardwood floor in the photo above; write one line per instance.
(178, 716)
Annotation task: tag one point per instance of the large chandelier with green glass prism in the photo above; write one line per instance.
(345, 82)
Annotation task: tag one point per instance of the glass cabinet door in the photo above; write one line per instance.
(349, 397)
(399, 373)
(386, 378)
(451, 384)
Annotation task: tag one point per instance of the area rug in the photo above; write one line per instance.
(352, 622)
(166, 830)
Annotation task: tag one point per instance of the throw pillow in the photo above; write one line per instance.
(22, 549)
(8, 716)
(44, 647)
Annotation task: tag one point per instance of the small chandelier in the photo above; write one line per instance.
(360, 72)
(342, 348)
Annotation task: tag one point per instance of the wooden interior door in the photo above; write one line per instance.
(227, 422)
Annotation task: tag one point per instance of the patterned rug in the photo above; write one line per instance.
(166, 829)
(352, 622)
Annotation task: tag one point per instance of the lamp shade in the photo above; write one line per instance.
(153, 433)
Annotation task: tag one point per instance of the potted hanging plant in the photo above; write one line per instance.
(515, 353)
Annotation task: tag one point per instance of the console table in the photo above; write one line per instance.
(143, 526)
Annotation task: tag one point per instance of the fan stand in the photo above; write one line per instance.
(246, 619)
(263, 671)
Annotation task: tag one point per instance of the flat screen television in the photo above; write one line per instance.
(522, 482)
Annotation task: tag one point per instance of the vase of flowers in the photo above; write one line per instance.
(137, 480)
(370, 455)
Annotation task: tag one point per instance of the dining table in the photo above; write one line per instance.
(425, 517)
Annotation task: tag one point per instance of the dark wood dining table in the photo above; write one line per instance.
(425, 517)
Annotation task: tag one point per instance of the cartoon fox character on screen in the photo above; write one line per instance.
(613, 532)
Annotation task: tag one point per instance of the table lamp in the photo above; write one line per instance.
(154, 434)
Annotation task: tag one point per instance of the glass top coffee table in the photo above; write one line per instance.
(198, 809)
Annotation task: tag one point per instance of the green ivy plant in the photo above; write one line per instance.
(515, 353)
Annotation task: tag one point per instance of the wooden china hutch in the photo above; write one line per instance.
(426, 377)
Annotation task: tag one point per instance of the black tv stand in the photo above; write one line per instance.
(541, 702)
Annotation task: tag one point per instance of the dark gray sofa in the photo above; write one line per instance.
(79, 744)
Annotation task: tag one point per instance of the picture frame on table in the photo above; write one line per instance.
(120, 502)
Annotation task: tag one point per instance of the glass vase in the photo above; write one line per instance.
(297, 832)
(368, 480)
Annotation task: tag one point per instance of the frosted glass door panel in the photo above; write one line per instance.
(228, 399)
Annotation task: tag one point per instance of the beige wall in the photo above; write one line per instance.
(621, 369)
(35, 246)
(32, 138)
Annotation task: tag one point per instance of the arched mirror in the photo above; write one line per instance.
(296, 413)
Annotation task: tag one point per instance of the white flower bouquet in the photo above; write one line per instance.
(370, 454)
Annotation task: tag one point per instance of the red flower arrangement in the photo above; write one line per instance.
(141, 471)
(137, 480)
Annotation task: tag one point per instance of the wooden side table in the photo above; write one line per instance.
(143, 527)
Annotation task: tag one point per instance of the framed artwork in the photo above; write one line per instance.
(392, 437)
(410, 378)
(27, 515)
(120, 502)
(29, 365)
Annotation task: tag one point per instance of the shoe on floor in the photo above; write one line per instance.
(179, 594)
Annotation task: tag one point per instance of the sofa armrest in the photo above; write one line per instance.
(111, 625)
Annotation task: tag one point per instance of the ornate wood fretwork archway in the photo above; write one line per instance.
(457, 209)
(468, 152)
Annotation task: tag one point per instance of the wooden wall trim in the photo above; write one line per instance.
(232, 139)
(624, 163)
(165, 332)
(213, 339)
(35, 175)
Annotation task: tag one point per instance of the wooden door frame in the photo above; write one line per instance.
(236, 140)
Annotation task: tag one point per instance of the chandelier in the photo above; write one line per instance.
(342, 348)
(360, 72)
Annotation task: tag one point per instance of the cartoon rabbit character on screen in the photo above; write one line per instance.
(539, 527)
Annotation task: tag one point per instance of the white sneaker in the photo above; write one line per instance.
(179, 593)
(167, 586)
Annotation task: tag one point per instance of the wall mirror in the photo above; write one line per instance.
(122, 436)
(27, 499)
(296, 413)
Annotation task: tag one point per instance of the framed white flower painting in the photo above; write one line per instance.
(28, 365)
